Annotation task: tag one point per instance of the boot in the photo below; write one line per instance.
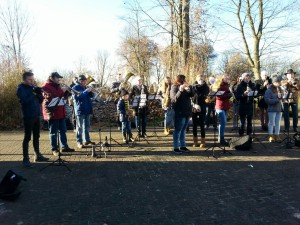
(195, 142)
(202, 145)
(278, 138)
(271, 138)
(166, 131)
(124, 138)
(223, 142)
(38, 157)
(131, 139)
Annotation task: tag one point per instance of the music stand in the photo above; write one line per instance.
(288, 138)
(59, 161)
(100, 145)
(215, 144)
(154, 133)
(254, 94)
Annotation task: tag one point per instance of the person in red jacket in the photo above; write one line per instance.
(56, 114)
(222, 105)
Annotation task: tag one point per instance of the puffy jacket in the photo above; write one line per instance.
(274, 103)
(181, 101)
(29, 100)
(54, 91)
(82, 103)
(222, 101)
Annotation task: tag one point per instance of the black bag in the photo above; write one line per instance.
(241, 143)
(297, 139)
(9, 185)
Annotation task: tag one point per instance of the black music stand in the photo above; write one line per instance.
(137, 104)
(254, 94)
(288, 138)
(215, 144)
(236, 114)
(100, 145)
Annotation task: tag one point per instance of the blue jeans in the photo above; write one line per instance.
(223, 119)
(180, 125)
(286, 115)
(83, 128)
(169, 118)
(274, 120)
(210, 108)
(58, 126)
(126, 127)
(141, 120)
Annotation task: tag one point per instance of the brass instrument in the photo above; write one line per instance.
(89, 80)
(71, 90)
(125, 83)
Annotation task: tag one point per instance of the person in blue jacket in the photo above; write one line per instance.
(83, 109)
(30, 98)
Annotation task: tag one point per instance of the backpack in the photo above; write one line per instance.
(9, 185)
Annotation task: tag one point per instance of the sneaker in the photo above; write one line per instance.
(184, 149)
(79, 145)
(27, 164)
(55, 152)
(177, 151)
(89, 143)
(144, 135)
(40, 158)
(68, 149)
(223, 142)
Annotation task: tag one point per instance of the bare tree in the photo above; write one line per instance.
(264, 26)
(15, 25)
(104, 68)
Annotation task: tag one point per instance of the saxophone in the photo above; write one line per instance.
(167, 99)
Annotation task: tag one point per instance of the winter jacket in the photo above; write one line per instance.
(53, 90)
(222, 101)
(30, 101)
(82, 103)
(274, 103)
(200, 93)
(246, 102)
(259, 86)
(181, 101)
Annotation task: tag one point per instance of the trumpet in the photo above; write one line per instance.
(71, 90)
(94, 90)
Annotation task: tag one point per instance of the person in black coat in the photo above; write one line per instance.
(246, 103)
(200, 90)
(181, 94)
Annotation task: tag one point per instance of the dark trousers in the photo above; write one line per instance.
(141, 120)
(31, 125)
(243, 118)
(286, 115)
(210, 109)
(198, 120)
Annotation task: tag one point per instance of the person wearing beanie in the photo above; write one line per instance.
(125, 116)
(273, 98)
(83, 109)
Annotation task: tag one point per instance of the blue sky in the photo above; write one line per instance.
(63, 31)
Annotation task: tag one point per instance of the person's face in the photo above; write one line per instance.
(140, 81)
(263, 76)
(226, 78)
(56, 80)
(290, 76)
(247, 79)
(126, 97)
(168, 80)
(29, 80)
(119, 76)
(83, 82)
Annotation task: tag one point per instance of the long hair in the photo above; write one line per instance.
(180, 79)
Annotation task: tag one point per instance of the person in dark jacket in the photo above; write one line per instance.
(140, 92)
(222, 105)
(83, 109)
(56, 115)
(181, 94)
(30, 98)
(246, 103)
(124, 112)
(261, 86)
(200, 90)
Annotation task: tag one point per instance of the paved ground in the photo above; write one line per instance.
(147, 184)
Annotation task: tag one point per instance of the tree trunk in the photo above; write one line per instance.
(185, 31)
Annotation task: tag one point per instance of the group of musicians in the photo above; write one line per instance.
(180, 102)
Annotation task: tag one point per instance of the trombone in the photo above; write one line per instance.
(90, 79)
(71, 90)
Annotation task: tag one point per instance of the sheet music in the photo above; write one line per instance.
(213, 93)
(55, 100)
